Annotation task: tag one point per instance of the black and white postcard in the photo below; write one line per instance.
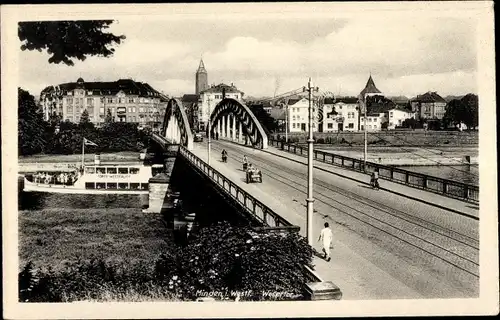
(249, 160)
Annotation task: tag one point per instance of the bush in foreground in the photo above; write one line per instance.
(221, 260)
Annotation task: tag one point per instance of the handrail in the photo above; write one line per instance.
(263, 213)
(445, 187)
(270, 220)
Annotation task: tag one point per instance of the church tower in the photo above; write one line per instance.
(201, 78)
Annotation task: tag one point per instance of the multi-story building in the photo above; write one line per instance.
(298, 115)
(340, 114)
(396, 117)
(429, 105)
(126, 100)
(369, 90)
(210, 97)
(374, 121)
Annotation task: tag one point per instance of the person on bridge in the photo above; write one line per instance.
(224, 155)
(374, 180)
(245, 159)
(327, 236)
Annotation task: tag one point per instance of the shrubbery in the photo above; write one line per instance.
(38, 136)
(219, 258)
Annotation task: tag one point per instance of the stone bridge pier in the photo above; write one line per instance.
(159, 184)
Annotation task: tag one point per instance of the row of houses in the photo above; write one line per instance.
(347, 113)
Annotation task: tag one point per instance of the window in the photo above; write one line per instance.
(100, 185)
(90, 110)
(111, 185)
(141, 109)
(129, 109)
(134, 170)
(123, 170)
(130, 100)
(70, 109)
(77, 101)
(330, 125)
(134, 186)
(111, 170)
(391, 114)
(122, 185)
(101, 110)
(133, 109)
(90, 101)
(89, 185)
(110, 100)
(89, 170)
(351, 125)
(121, 100)
(293, 125)
(101, 170)
(102, 100)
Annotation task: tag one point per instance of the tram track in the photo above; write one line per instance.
(454, 248)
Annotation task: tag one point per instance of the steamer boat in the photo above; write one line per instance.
(94, 179)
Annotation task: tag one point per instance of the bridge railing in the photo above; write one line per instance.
(268, 218)
(449, 188)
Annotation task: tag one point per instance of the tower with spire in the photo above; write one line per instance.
(370, 89)
(201, 78)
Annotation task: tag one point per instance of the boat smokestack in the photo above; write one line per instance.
(97, 159)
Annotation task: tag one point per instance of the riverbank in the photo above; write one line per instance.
(68, 162)
(408, 156)
(125, 156)
(55, 229)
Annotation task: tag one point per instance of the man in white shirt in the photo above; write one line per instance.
(327, 236)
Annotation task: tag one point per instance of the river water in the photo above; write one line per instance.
(465, 174)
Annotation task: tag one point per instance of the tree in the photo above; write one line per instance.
(457, 112)
(109, 117)
(84, 119)
(472, 105)
(31, 126)
(65, 40)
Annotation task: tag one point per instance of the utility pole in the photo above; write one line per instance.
(286, 120)
(310, 142)
(366, 134)
(209, 128)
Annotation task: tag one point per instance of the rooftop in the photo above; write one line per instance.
(128, 86)
(220, 87)
(369, 88)
(430, 96)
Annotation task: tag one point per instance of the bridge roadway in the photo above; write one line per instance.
(386, 245)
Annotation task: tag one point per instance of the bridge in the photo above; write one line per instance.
(416, 237)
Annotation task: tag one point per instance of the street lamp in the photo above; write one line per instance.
(366, 134)
(209, 129)
(310, 143)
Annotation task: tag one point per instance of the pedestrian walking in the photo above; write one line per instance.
(326, 236)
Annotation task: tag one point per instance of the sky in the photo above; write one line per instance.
(263, 55)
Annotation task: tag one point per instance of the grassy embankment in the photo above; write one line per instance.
(116, 232)
(124, 156)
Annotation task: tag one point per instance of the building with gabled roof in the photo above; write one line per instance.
(429, 105)
(127, 101)
(201, 78)
(211, 96)
(370, 89)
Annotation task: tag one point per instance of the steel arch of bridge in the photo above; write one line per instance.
(176, 126)
(248, 123)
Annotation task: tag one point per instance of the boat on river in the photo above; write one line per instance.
(94, 179)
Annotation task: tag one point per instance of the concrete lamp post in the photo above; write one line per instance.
(310, 164)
